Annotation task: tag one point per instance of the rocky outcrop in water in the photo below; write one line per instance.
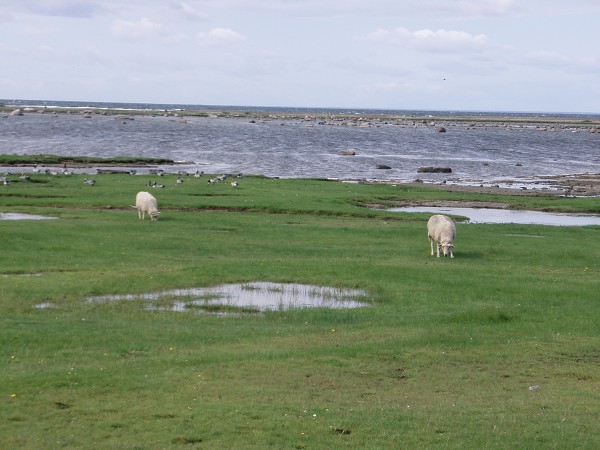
(429, 169)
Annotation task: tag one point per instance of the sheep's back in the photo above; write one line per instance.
(145, 200)
(441, 227)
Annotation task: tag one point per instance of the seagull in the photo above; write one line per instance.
(90, 182)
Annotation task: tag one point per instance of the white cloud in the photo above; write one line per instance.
(188, 11)
(429, 40)
(136, 30)
(218, 36)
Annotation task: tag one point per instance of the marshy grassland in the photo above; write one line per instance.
(496, 348)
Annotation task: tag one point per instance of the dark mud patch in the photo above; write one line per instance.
(450, 204)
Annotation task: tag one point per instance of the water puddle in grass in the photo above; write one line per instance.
(18, 216)
(46, 305)
(492, 215)
(26, 274)
(247, 298)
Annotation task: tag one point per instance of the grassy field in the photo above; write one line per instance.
(444, 358)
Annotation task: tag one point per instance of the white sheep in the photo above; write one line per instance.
(145, 202)
(441, 229)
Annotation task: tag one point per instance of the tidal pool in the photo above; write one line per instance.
(18, 216)
(492, 215)
(255, 297)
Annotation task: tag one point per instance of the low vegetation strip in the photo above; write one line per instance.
(73, 161)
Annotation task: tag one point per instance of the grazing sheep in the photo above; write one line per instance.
(441, 229)
(145, 202)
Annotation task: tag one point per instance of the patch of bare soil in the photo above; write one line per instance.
(580, 185)
(451, 204)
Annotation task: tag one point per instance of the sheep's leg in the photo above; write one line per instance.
(431, 242)
(438, 249)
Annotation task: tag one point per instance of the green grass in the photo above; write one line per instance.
(443, 359)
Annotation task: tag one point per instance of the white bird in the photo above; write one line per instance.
(234, 184)
(90, 182)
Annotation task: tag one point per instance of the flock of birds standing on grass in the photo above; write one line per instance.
(6, 181)
(198, 174)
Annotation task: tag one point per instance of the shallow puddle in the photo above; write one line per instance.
(255, 297)
(45, 305)
(18, 216)
(491, 215)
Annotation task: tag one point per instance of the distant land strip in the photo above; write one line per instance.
(389, 118)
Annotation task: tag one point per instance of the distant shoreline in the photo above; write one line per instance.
(543, 123)
(276, 113)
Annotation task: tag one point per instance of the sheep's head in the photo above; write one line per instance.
(447, 248)
(154, 214)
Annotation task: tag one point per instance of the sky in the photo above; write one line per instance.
(462, 55)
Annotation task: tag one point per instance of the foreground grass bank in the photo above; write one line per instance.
(444, 357)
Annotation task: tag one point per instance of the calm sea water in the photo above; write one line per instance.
(306, 148)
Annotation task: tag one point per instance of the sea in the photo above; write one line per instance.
(313, 143)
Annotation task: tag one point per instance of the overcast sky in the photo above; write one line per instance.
(490, 55)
